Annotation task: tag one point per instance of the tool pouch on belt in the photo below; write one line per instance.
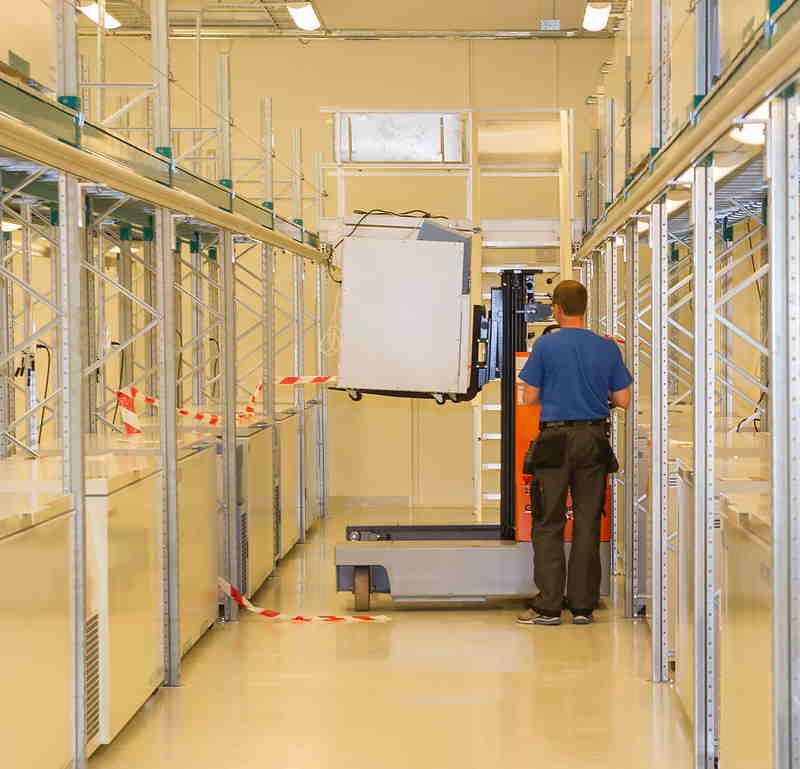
(608, 457)
(548, 450)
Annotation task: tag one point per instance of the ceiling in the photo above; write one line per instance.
(340, 17)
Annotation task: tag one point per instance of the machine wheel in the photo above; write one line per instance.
(439, 398)
(355, 395)
(361, 588)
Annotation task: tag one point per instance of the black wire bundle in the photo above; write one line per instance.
(46, 348)
(413, 213)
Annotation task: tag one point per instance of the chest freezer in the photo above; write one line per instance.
(289, 482)
(256, 502)
(312, 468)
(738, 469)
(36, 629)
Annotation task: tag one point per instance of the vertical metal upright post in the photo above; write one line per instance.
(268, 254)
(151, 297)
(659, 443)
(628, 91)
(611, 126)
(31, 395)
(705, 613)
(784, 331)
(298, 316)
(7, 392)
(610, 256)
(167, 375)
(166, 266)
(587, 195)
(320, 320)
(125, 311)
(267, 149)
(268, 336)
(72, 363)
(71, 372)
(594, 288)
(597, 204)
(179, 330)
(224, 164)
(707, 54)
(197, 164)
(198, 348)
(92, 319)
(100, 49)
(228, 342)
(565, 197)
(226, 253)
(162, 127)
(631, 517)
(660, 22)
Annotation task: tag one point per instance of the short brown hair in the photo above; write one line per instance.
(572, 297)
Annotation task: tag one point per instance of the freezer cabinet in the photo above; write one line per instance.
(256, 506)
(36, 630)
(288, 482)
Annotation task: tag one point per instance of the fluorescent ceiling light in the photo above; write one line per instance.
(11, 226)
(92, 11)
(304, 16)
(753, 130)
(595, 17)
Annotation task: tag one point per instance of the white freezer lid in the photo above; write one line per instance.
(21, 510)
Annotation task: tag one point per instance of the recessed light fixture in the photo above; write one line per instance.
(304, 16)
(753, 128)
(595, 17)
(92, 11)
(10, 226)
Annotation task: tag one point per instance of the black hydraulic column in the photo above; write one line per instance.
(513, 340)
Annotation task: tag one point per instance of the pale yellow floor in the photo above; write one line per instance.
(433, 689)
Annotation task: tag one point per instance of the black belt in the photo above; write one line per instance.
(573, 423)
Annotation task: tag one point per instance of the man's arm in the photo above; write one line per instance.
(621, 398)
(530, 395)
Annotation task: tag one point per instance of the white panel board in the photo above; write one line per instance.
(403, 316)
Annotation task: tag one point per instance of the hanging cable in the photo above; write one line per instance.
(215, 368)
(119, 382)
(46, 348)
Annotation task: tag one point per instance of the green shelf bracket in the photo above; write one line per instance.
(149, 230)
(73, 102)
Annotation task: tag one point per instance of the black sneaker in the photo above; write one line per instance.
(532, 617)
(582, 619)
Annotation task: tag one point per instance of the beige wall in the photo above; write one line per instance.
(29, 32)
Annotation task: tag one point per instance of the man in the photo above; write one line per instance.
(574, 374)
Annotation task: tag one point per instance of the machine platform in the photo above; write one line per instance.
(440, 570)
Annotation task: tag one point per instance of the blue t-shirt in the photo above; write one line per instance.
(575, 369)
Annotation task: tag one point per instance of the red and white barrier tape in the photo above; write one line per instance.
(127, 403)
(127, 409)
(250, 408)
(295, 380)
(130, 419)
(231, 591)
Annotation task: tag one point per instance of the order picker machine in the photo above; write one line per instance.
(469, 562)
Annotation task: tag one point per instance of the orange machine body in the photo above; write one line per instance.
(527, 429)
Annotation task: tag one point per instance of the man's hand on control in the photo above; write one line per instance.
(530, 395)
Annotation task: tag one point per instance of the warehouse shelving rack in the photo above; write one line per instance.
(691, 269)
(86, 193)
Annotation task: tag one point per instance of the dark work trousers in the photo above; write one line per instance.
(584, 472)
